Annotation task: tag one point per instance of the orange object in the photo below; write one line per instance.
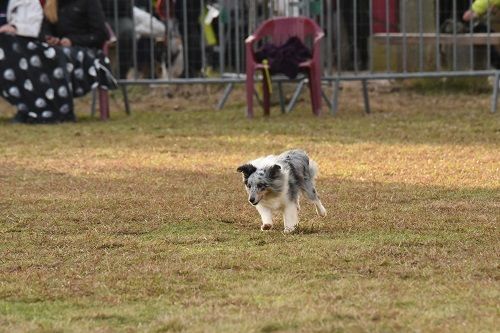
(161, 8)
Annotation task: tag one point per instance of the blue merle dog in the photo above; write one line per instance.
(274, 183)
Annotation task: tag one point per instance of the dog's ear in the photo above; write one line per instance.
(274, 171)
(246, 169)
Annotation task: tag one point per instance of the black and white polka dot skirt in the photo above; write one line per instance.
(42, 80)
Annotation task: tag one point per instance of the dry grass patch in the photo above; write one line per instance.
(141, 223)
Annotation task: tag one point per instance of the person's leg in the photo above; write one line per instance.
(193, 38)
(347, 11)
(194, 51)
(363, 21)
(125, 33)
(143, 56)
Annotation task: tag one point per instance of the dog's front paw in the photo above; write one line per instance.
(265, 227)
(321, 211)
(289, 230)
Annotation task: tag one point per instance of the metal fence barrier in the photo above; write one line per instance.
(202, 41)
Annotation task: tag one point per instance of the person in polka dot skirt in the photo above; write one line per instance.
(41, 77)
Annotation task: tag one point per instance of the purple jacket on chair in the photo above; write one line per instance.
(286, 58)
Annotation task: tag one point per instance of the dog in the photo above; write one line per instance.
(274, 183)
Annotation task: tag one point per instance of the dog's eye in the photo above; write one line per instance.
(261, 186)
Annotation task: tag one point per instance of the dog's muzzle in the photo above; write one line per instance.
(253, 201)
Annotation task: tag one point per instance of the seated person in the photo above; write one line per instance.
(479, 8)
(41, 78)
(74, 22)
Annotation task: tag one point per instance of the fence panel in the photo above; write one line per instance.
(202, 41)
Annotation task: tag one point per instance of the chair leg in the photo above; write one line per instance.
(225, 96)
(494, 97)
(104, 104)
(125, 98)
(295, 96)
(282, 96)
(315, 90)
(366, 97)
(335, 98)
(94, 102)
(257, 97)
(311, 91)
(325, 99)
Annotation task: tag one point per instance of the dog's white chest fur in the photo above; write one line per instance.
(274, 203)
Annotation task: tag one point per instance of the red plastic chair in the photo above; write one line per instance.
(280, 29)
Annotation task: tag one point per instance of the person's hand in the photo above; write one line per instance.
(51, 40)
(8, 29)
(469, 15)
(65, 42)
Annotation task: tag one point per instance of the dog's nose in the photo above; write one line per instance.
(252, 200)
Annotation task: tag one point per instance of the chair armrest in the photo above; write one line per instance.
(250, 39)
(249, 42)
(318, 37)
(111, 34)
(317, 43)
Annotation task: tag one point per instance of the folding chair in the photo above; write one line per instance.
(103, 93)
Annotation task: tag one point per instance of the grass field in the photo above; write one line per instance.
(142, 224)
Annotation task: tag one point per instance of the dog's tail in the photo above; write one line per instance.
(313, 169)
